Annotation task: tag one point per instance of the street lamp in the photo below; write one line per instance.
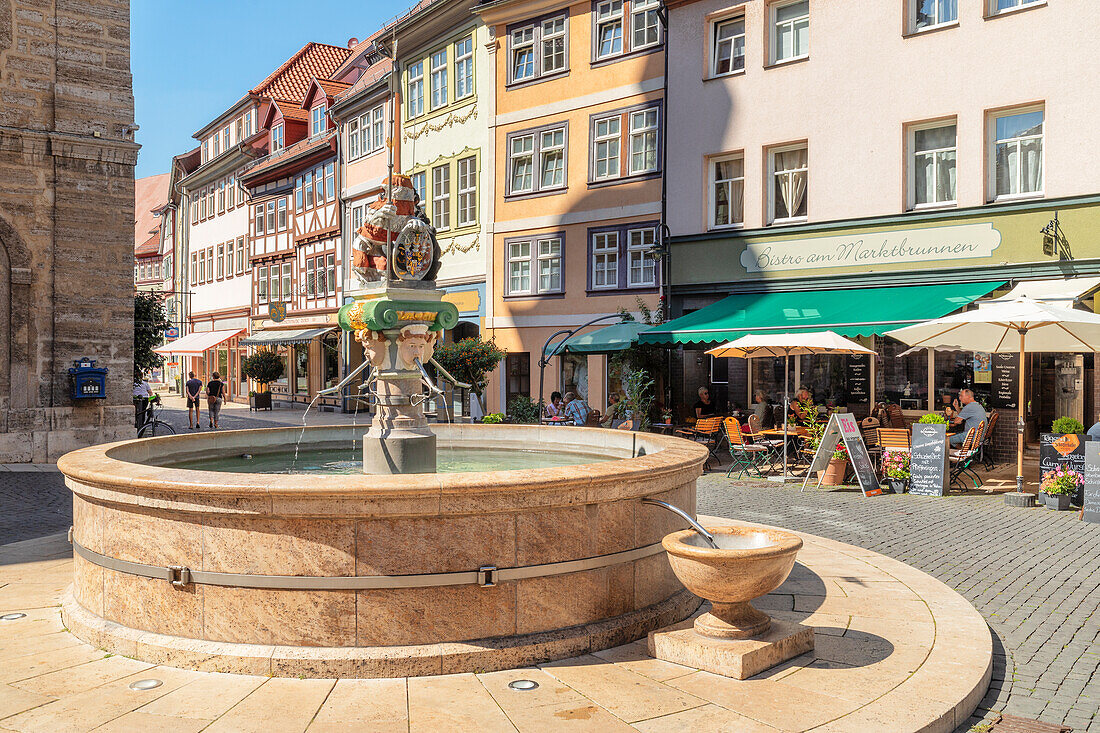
(545, 358)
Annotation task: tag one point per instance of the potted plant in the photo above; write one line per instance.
(1064, 425)
(895, 464)
(524, 410)
(933, 418)
(637, 399)
(263, 367)
(470, 360)
(838, 467)
(493, 418)
(1059, 486)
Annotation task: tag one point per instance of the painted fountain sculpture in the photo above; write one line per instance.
(395, 570)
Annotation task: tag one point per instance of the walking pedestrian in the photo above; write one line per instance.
(215, 398)
(193, 388)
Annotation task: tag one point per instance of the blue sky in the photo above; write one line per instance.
(192, 59)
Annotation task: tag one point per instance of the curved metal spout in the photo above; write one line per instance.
(694, 525)
(447, 375)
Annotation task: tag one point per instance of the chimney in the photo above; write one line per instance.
(353, 42)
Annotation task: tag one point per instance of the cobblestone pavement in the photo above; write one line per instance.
(33, 504)
(1034, 574)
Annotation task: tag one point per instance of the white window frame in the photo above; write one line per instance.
(546, 39)
(330, 260)
(441, 197)
(277, 138)
(914, 7)
(467, 191)
(716, 44)
(464, 67)
(522, 40)
(772, 152)
(518, 259)
(378, 128)
(640, 252)
(242, 256)
(353, 138)
(261, 284)
(730, 183)
(440, 96)
(414, 97)
(613, 142)
(547, 257)
(281, 217)
(773, 28)
(317, 120)
(311, 279)
(420, 186)
(543, 149)
(911, 162)
(644, 131)
(609, 250)
(992, 8)
(607, 15)
(288, 279)
(516, 156)
(644, 10)
(991, 152)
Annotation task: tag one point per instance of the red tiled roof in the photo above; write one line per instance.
(332, 87)
(299, 148)
(149, 193)
(369, 77)
(290, 112)
(150, 247)
(290, 81)
(356, 52)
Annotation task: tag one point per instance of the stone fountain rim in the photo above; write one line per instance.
(96, 467)
(787, 542)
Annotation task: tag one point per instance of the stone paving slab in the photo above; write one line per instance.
(896, 651)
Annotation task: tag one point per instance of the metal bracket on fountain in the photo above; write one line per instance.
(397, 317)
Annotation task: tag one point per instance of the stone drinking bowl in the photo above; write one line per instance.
(750, 562)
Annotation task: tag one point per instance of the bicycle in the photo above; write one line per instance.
(153, 425)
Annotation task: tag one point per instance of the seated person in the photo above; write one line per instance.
(555, 408)
(576, 408)
(803, 405)
(614, 407)
(970, 415)
(704, 406)
(760, 405)
(1093, 433)
(949, 405)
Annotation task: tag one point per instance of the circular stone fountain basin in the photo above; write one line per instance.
(325, 574)
(750, 562)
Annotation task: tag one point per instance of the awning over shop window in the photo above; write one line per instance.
(289, 336)
(195, 344)
(606, 340)
(1062, 291)
(852, 312)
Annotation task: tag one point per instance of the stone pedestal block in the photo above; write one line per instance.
(736, 658)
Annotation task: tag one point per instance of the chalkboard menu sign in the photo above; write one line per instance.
(1006, 381)
(928, 460)
(857, 455)
(1057, 449)
(859, 378)
(1090, 509)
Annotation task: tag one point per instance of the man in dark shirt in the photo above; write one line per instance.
(704, 407)
(192, 389)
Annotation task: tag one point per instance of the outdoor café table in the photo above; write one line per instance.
(665, 428)
(557, 421)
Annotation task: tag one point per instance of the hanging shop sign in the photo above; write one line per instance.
(859, 377)
(1005, 372)
(928, 460)
(904, 246)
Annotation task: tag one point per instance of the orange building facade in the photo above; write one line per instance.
(577, 124)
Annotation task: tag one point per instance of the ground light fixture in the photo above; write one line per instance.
(523, 685)
(148, 684)
(12, 616)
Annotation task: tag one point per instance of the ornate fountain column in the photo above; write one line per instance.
(397, 315)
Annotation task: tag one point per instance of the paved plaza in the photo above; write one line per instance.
(1030, 572)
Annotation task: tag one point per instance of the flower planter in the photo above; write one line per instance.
(260, 401)
(898, 485)
(834, 474)
(1057, 502)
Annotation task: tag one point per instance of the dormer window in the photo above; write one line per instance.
(317, 120)
(277, 138)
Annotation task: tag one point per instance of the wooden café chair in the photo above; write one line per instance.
(894, 439)
(962, 458)
(774, 445)
(747, 457)
(708, 431)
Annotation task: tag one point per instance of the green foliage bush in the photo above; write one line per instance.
(1067, 425)
(522, 409)
(263, 367)
(933, 418)
(493, 418)
(470, 360)
(150, 322)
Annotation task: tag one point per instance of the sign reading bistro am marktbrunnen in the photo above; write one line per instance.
(960, 241)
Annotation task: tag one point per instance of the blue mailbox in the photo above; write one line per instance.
(87, 381)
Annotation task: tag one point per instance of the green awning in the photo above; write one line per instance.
(606, 340)
(849, 312)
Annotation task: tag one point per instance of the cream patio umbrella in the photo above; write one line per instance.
(994, 327)
(786, 345)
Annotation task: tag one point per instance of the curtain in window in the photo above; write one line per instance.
(1031, 165)
(792, 186)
